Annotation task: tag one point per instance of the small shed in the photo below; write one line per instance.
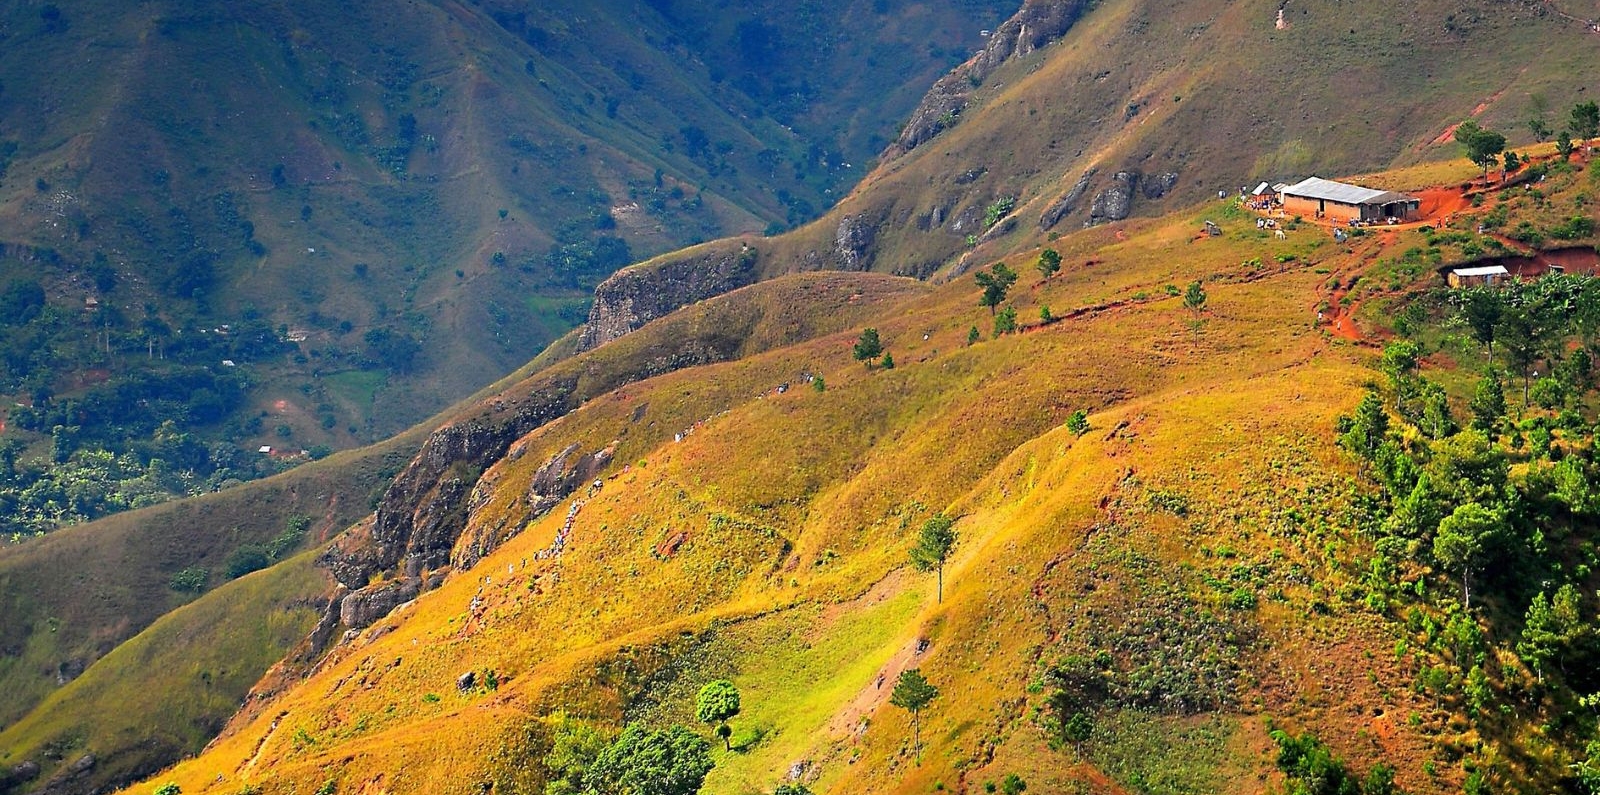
(1321, 198)
(1472, 277)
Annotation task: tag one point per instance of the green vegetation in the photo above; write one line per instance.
(1311, 769)
(996, 282)
(638, 761)
(913, 693)
(1585, 120)
(1049, 263)
(868, 346)
(1194, 300)
(1482, 146)
(1005, 322)
(934, 542)
(998, 210)
(1078, 422)
(716, 704)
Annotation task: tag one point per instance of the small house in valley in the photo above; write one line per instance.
(1473, 277)
(1321, 198)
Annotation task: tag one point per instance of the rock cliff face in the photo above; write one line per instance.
(1159, 185)
(423, 512)
(417, 532)
(852, 243)
(1116, 201)
(556, 479)
(635, 296)
(1036, 25)
(1064, 206)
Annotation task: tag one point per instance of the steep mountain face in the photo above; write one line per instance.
(722, 491)
(375, 210)
(1068, 118)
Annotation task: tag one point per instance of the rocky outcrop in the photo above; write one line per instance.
(852, 243)
(635, 296)
(424, 509)
(1064, 206)
(73, 778)
(1159, 185)
(424, 513)
(366, 606)
(555, 480)
(1036, 25)
(1115, 202)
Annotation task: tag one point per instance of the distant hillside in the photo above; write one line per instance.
(1166, 537)
(1078, 114)
(372, 210)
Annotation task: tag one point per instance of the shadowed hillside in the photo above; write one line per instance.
(373, 211)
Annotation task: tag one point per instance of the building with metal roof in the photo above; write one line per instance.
(1483, 274)
(1322, 198)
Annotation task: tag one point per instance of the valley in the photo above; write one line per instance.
(1031, 465)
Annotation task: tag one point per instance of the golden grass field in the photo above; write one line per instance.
(768, 544)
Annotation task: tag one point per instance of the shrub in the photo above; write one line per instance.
(1006, 321)
(1078, 423)
(190, 580)
(245, 559)
(1573, 228)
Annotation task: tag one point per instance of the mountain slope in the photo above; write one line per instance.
(768, 544)
(1202, 546)
(1078, 113)
(781, 519)
(375, 211)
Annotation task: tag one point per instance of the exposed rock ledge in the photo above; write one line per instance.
(635, 296)
(1039, 23)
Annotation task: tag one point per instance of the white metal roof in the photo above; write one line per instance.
(1319, 188)
(1486, 270)
(1260, 189)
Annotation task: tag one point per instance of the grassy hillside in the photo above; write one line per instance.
(374, 212)
(1204, 534)
(1216, 96)
(165, 692)
(73, 596)
(92, 622)
(1193, 571)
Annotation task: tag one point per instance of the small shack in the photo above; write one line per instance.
(1472, 277)
(1321, 198)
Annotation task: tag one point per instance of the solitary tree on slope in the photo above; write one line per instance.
(933, 547)
(716, 704)
(913, 692)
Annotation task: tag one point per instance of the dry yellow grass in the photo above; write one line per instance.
(795, 510)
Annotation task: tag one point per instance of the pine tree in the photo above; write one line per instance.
(913, 692)
(933, 547)
(868, 346)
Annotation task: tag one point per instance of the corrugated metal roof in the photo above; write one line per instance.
(1318, 188)
(1487, 270)
(1260, 189)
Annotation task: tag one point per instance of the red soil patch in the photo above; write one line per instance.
(669, 547)
(1438, 203)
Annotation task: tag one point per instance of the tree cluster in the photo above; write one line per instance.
(639, 761)
(1504, 500)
